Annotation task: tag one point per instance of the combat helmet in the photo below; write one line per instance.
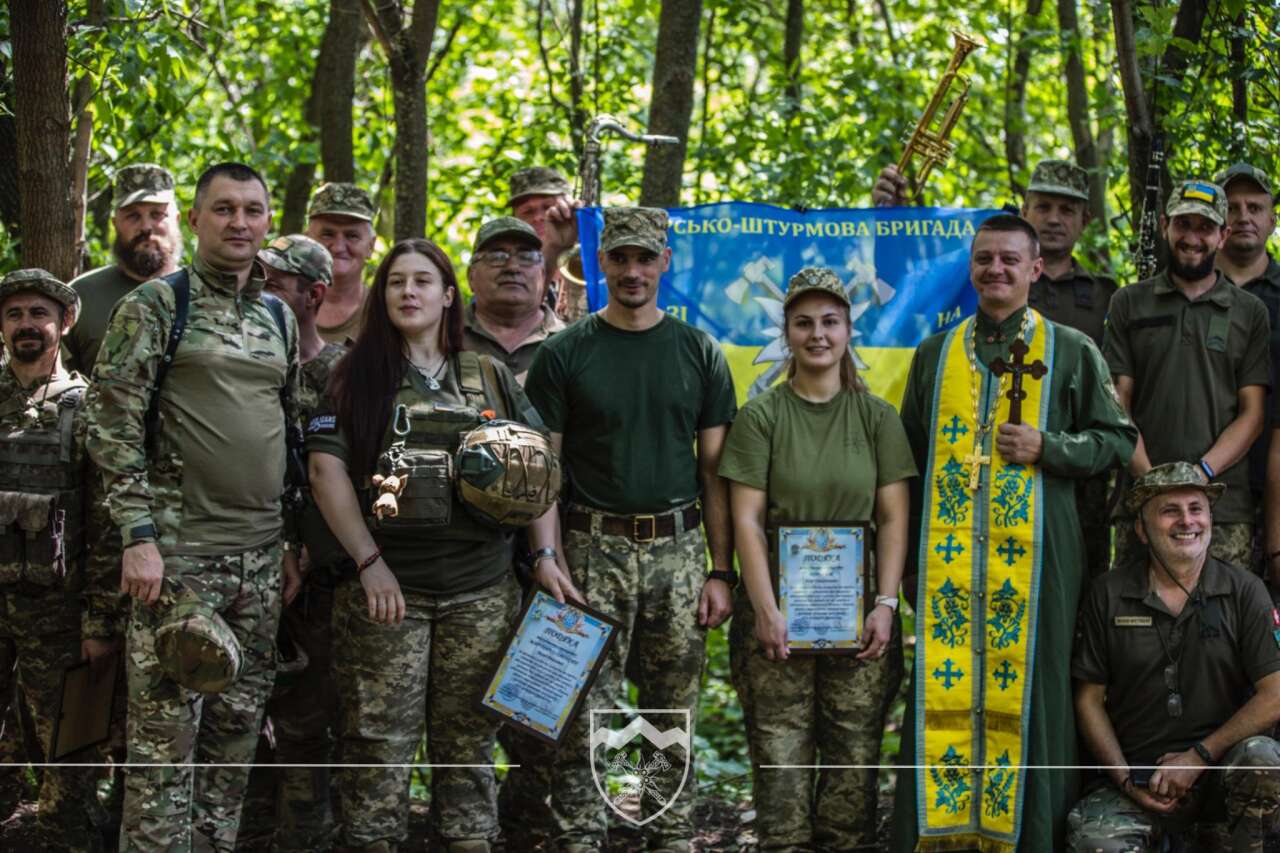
(507, 473)
(194, 644)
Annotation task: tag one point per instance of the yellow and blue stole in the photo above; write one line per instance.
(981, 557)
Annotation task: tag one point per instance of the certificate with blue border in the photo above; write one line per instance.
(823, 578)
(549, 665)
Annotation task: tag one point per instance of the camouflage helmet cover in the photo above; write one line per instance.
(645, 227)
(42, 282)
(507, 473)
(337, 199)
(195, 647)
(142, 182)
(1060, 177)
(298, 254)
(1196, 196)
(818, 279)
(1169, 477)
(538, 180)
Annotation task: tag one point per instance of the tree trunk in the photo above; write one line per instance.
(1015, 105)
(708, 47)
(671, 104)
(297, 192)
(81, 146)
(792, 41)
(334, 87)
(1078, 111)
(43, 117)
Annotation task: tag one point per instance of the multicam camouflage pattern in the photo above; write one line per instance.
(806, 711)
(1169, 477)
(1230, 542)
(44, 283)
(298, 254)
(538, 180)
(176, 806)
(653, 590)
(438, 659)
(506, 226)
(507, 473)
(820, 279)
(142, 182)
(645, 227)
(1247, 784)
(336, 199)
(1198, 196)
(1060, 177)
(1244, 170)
(195, 646)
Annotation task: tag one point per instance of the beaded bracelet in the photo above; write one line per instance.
(368, 561)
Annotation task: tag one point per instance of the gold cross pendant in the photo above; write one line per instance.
(975, 461)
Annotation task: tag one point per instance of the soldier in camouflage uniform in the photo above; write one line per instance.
(1177, 670)
(45, 490)
(196, 493)
(543, 198)
(340, 217)
(633, 544)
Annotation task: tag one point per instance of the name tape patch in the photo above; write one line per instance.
(1133, 621)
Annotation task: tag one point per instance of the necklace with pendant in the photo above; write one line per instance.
(428, 374)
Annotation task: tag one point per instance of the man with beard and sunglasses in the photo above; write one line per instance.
(148, 245)
(1190, 356)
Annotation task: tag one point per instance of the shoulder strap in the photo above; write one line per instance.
(180, 281)
(276, 306)
(68, 404)
(471, 380)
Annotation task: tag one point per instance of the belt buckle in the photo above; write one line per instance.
(635, 528)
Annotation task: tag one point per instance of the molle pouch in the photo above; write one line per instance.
(424, 496)
(32, 547)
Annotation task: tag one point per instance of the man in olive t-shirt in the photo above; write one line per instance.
(638, 404)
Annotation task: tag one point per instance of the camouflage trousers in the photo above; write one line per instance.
(1230, 542)
(39, 639)
(652, 588)
(173, 805)
(432, 668)
(1246, 785)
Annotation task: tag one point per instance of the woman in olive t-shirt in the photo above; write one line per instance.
(817, 447)
(419, 627)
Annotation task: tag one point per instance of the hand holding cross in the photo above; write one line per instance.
(1017, 368)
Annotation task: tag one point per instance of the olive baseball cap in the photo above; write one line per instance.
(142, 182)
(335, 199)
(506, 226)
(812, 279)
(298, 254)
(645, 227)
(1195, 196)
(1060, 177)
(1244, 170)
(42, 282)
(1169, 477)
(538, 180)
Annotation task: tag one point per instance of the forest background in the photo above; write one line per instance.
(432, 105)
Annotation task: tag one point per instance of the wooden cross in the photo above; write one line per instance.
(975, 461)
(1018, 368)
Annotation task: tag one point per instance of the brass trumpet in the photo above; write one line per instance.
(934, 147)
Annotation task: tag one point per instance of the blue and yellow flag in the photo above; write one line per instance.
(906, 270)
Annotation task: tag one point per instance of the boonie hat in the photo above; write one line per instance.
(1244, 170)
(142, 182)
(1060, 177)
(1202, 197)
(506, 226)
(298, 254)
(195, 647)
(538, 180)
(1169, 477)
(820, 279)
(336, 199)
(42, 282)
(645, 227)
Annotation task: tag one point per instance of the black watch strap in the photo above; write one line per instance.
(1203, 752)
(731, 578)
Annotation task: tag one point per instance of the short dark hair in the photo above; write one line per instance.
(234, 171)
(1011, 222)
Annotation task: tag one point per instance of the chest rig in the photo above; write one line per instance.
(42, 508)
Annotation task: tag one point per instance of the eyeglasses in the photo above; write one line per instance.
(498, 258)
(1173, 705)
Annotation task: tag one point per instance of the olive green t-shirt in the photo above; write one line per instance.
(630, 406)
(463, 555)
(817, 461)
(99, 291)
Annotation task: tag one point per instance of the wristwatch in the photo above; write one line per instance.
(890, 601)
(542, 554)
(729, 577)
(1203, 752)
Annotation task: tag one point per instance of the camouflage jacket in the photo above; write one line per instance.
(315, 378)
(212, 481)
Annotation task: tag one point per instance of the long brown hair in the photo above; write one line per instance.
(365, 381)
(849, 378)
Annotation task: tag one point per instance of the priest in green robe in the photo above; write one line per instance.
(1003, 412)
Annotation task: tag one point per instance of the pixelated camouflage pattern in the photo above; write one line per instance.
(1179, 204)
(439, 659)
(338, 199)
(298, 254)
(181, 807)
(827, 710)
(44, 283)
(537, 180)
(820, 279)
(645, 227)
(1248, 785)
(653, 590)
(1060, 177)
(315, 379)
(1244, 170)
(1230, 542)
(142, 182)
(1169, 477)
(506, 226)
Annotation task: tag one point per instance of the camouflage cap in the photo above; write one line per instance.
(1244, 170)
(506, 226)
(1202, 197)
(538, 180)
(44, 283)
(142, 182)
(335, 199)
(195, 646)
(816, 278)
(634, 226)
(298, 254)
(1167, 478)
(1060, 177)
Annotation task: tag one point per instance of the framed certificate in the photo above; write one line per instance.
(551, 661)
(822, 571)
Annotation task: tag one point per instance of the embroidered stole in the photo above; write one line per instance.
(981, 553)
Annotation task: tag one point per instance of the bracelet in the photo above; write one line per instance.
(369, 561)
(543, 554)
(889, 601)
(1208, 471)
(1203, 752)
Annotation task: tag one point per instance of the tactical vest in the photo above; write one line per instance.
(42, 503)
